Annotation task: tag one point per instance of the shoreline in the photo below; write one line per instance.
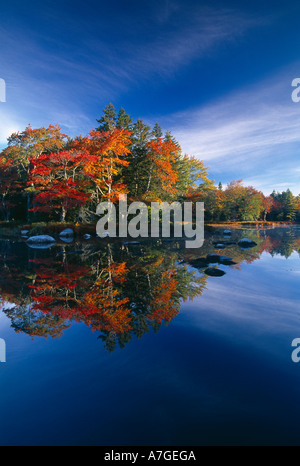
(14, 229)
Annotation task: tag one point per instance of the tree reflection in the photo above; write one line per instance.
(120, 291)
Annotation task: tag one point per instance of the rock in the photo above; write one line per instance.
(247, 243)
(214, 272)
(199, 263)
(67, 233)
(226, 243)
(40, 242)
(220, 246)
(227, 232)
(67, 239)
(216, 259)
(87, 236)
(40, 239)
(24, 232)
(226, 260)
(213, 258)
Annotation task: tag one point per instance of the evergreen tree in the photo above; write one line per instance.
(136, 174)
(108, 120)
(157, 131)
(124, 121)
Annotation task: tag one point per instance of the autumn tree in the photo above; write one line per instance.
(241, 202)
(29, 144)
(55, 179)
(162, 177)
(106, 153)
(268, 203)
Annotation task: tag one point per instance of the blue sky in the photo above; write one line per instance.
(217, 74)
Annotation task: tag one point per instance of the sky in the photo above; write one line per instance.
(217, 74)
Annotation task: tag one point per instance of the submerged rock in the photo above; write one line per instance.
(199, 263)
(213, 258)
(226, 260)
(217, 259)
(214, 272)
(247, 243)
(226, 243)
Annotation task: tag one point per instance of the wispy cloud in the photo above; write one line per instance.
(200, 32)
(252, 133)
(49, 80)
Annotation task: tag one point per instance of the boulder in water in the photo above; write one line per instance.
(214, 272)
(247, 243)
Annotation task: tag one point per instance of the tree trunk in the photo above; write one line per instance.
(149, 179)
(63, 214)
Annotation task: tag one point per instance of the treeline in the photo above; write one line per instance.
(46, 175)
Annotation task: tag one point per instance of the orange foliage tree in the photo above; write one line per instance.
(107, 152)
(54, 176)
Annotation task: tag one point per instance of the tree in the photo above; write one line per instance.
(124, 121)
(8, 187)
(242, 203)
(268, 203)
(162, 177)
(105, 155)
(54, 177)
(108, 121)
(136, 173)
(29, 144)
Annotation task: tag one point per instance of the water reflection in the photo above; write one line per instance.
(121, 290)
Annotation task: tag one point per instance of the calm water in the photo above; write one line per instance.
(137, 344)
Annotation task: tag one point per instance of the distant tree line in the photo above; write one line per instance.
(46, 175)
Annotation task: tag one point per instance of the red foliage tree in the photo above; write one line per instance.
(54, 176)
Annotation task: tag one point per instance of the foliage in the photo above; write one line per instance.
(45, 175)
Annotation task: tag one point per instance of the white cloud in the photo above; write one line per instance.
(252, 133)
